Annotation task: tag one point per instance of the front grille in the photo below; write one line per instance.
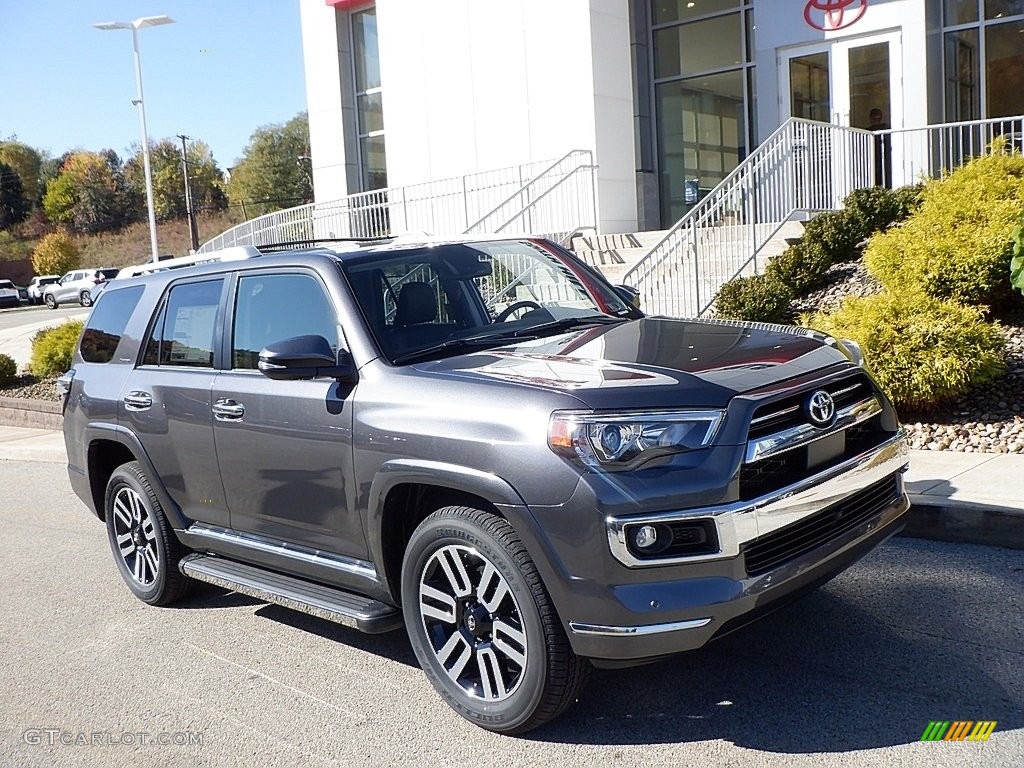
(788, 412)
(773, 549)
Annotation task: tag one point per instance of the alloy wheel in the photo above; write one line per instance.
(136, 536)
(473, 622)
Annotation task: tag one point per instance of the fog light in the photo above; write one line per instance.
(645, 537)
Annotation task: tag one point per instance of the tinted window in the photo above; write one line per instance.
(272, 308)
(184, 331)
(107, 323)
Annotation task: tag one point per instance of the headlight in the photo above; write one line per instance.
(627, 439)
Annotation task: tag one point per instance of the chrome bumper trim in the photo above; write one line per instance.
(743, 521)
(643, 629)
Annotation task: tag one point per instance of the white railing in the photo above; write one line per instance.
(803, 166)
(553, 197)
(907, 155)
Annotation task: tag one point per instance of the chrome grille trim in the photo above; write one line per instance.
(802, 434)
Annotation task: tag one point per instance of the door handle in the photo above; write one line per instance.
(138, 400)
(228, 410)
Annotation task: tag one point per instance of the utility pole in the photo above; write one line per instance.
(193, 232)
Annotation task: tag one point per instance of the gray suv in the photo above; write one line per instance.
(481, 441)
(81, 285)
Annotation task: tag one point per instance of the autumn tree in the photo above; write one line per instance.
(89, 194)
(274, 172)
(55, 254)
(13, 205)
(26, 162)
(168, 180)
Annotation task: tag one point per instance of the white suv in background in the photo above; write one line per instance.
(8, 294)
(37, 285)
(79, 285)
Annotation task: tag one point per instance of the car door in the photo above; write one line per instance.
(167, 401)
(285, 447)
(61, 290)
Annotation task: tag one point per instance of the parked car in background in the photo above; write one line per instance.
(79, 285)
(36, 286)
(8, 294)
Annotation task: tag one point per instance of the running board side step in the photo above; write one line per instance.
(351, 610)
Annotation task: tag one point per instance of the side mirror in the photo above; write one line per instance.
(628, 294)
(305, 357)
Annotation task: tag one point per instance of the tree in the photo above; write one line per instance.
(168, 181)
(27, 163)
(89, 193)
(13, 205)
(274, 170)
(55, 254)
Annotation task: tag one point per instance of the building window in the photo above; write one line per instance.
(984, 58)
(369, 103)
(703, 96)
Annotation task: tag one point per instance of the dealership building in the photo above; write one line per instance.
(669, 96)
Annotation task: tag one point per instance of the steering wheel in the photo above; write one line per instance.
(510, 309)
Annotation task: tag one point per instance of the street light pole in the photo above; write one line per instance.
(135, 26)
(193, 233)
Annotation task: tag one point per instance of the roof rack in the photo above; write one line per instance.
(313, 242)
(232, 253)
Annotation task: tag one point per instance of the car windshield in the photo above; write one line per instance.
(6, 284)
(428, 302)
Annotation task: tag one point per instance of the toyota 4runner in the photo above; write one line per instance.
(481, 441)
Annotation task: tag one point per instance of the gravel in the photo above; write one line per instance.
(31, 387)
(988, 419)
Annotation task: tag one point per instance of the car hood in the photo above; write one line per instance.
(653, 362)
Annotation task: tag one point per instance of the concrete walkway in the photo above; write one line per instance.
(968, 497)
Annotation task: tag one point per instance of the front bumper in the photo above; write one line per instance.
(648, 615)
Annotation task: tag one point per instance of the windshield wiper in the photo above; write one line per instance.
(567, 323)
(493, 340)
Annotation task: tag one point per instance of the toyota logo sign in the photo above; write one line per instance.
(829, 15)
(821, 408)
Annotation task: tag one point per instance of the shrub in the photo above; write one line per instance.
(922, 350)
(53, 348)
(876, 208)
(55, 254)
(8, 369)
(1017, 257)
(959, 242)
(759, 298)
(801, 267)
(837, 234)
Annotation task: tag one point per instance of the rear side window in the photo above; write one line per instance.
(183, 333)
(107, 323)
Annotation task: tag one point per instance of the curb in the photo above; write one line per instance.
(964, 522)
(37, 414)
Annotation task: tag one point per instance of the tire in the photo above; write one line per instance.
(145, 548)
(50, 301)
(482, 624)
(85, 299)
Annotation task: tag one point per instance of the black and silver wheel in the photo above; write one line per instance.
(144, 546)
(483, 626)
(50, 301)
(85, 299)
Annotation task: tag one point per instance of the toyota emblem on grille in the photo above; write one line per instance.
(821, 408)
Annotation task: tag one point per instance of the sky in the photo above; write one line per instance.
(223, 69)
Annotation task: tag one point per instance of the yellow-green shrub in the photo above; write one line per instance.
(921, 350)
(958, 243)
(55, 254)
(53, 348)
(8, 369)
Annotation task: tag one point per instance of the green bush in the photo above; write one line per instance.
(53, 348)
(921, 350)
(8, 369)
(1017, 257)
(55, 254)
(837, 233)
(959, 242)
(759, 298)
(801, 267)
(876, 208)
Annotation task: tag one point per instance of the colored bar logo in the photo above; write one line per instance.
(958, 730)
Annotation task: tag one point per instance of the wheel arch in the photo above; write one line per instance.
(110, 446)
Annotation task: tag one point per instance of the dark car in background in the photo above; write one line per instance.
(480, 441)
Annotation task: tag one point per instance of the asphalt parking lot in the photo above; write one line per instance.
(851, 675)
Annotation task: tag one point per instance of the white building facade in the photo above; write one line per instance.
(669, 95)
